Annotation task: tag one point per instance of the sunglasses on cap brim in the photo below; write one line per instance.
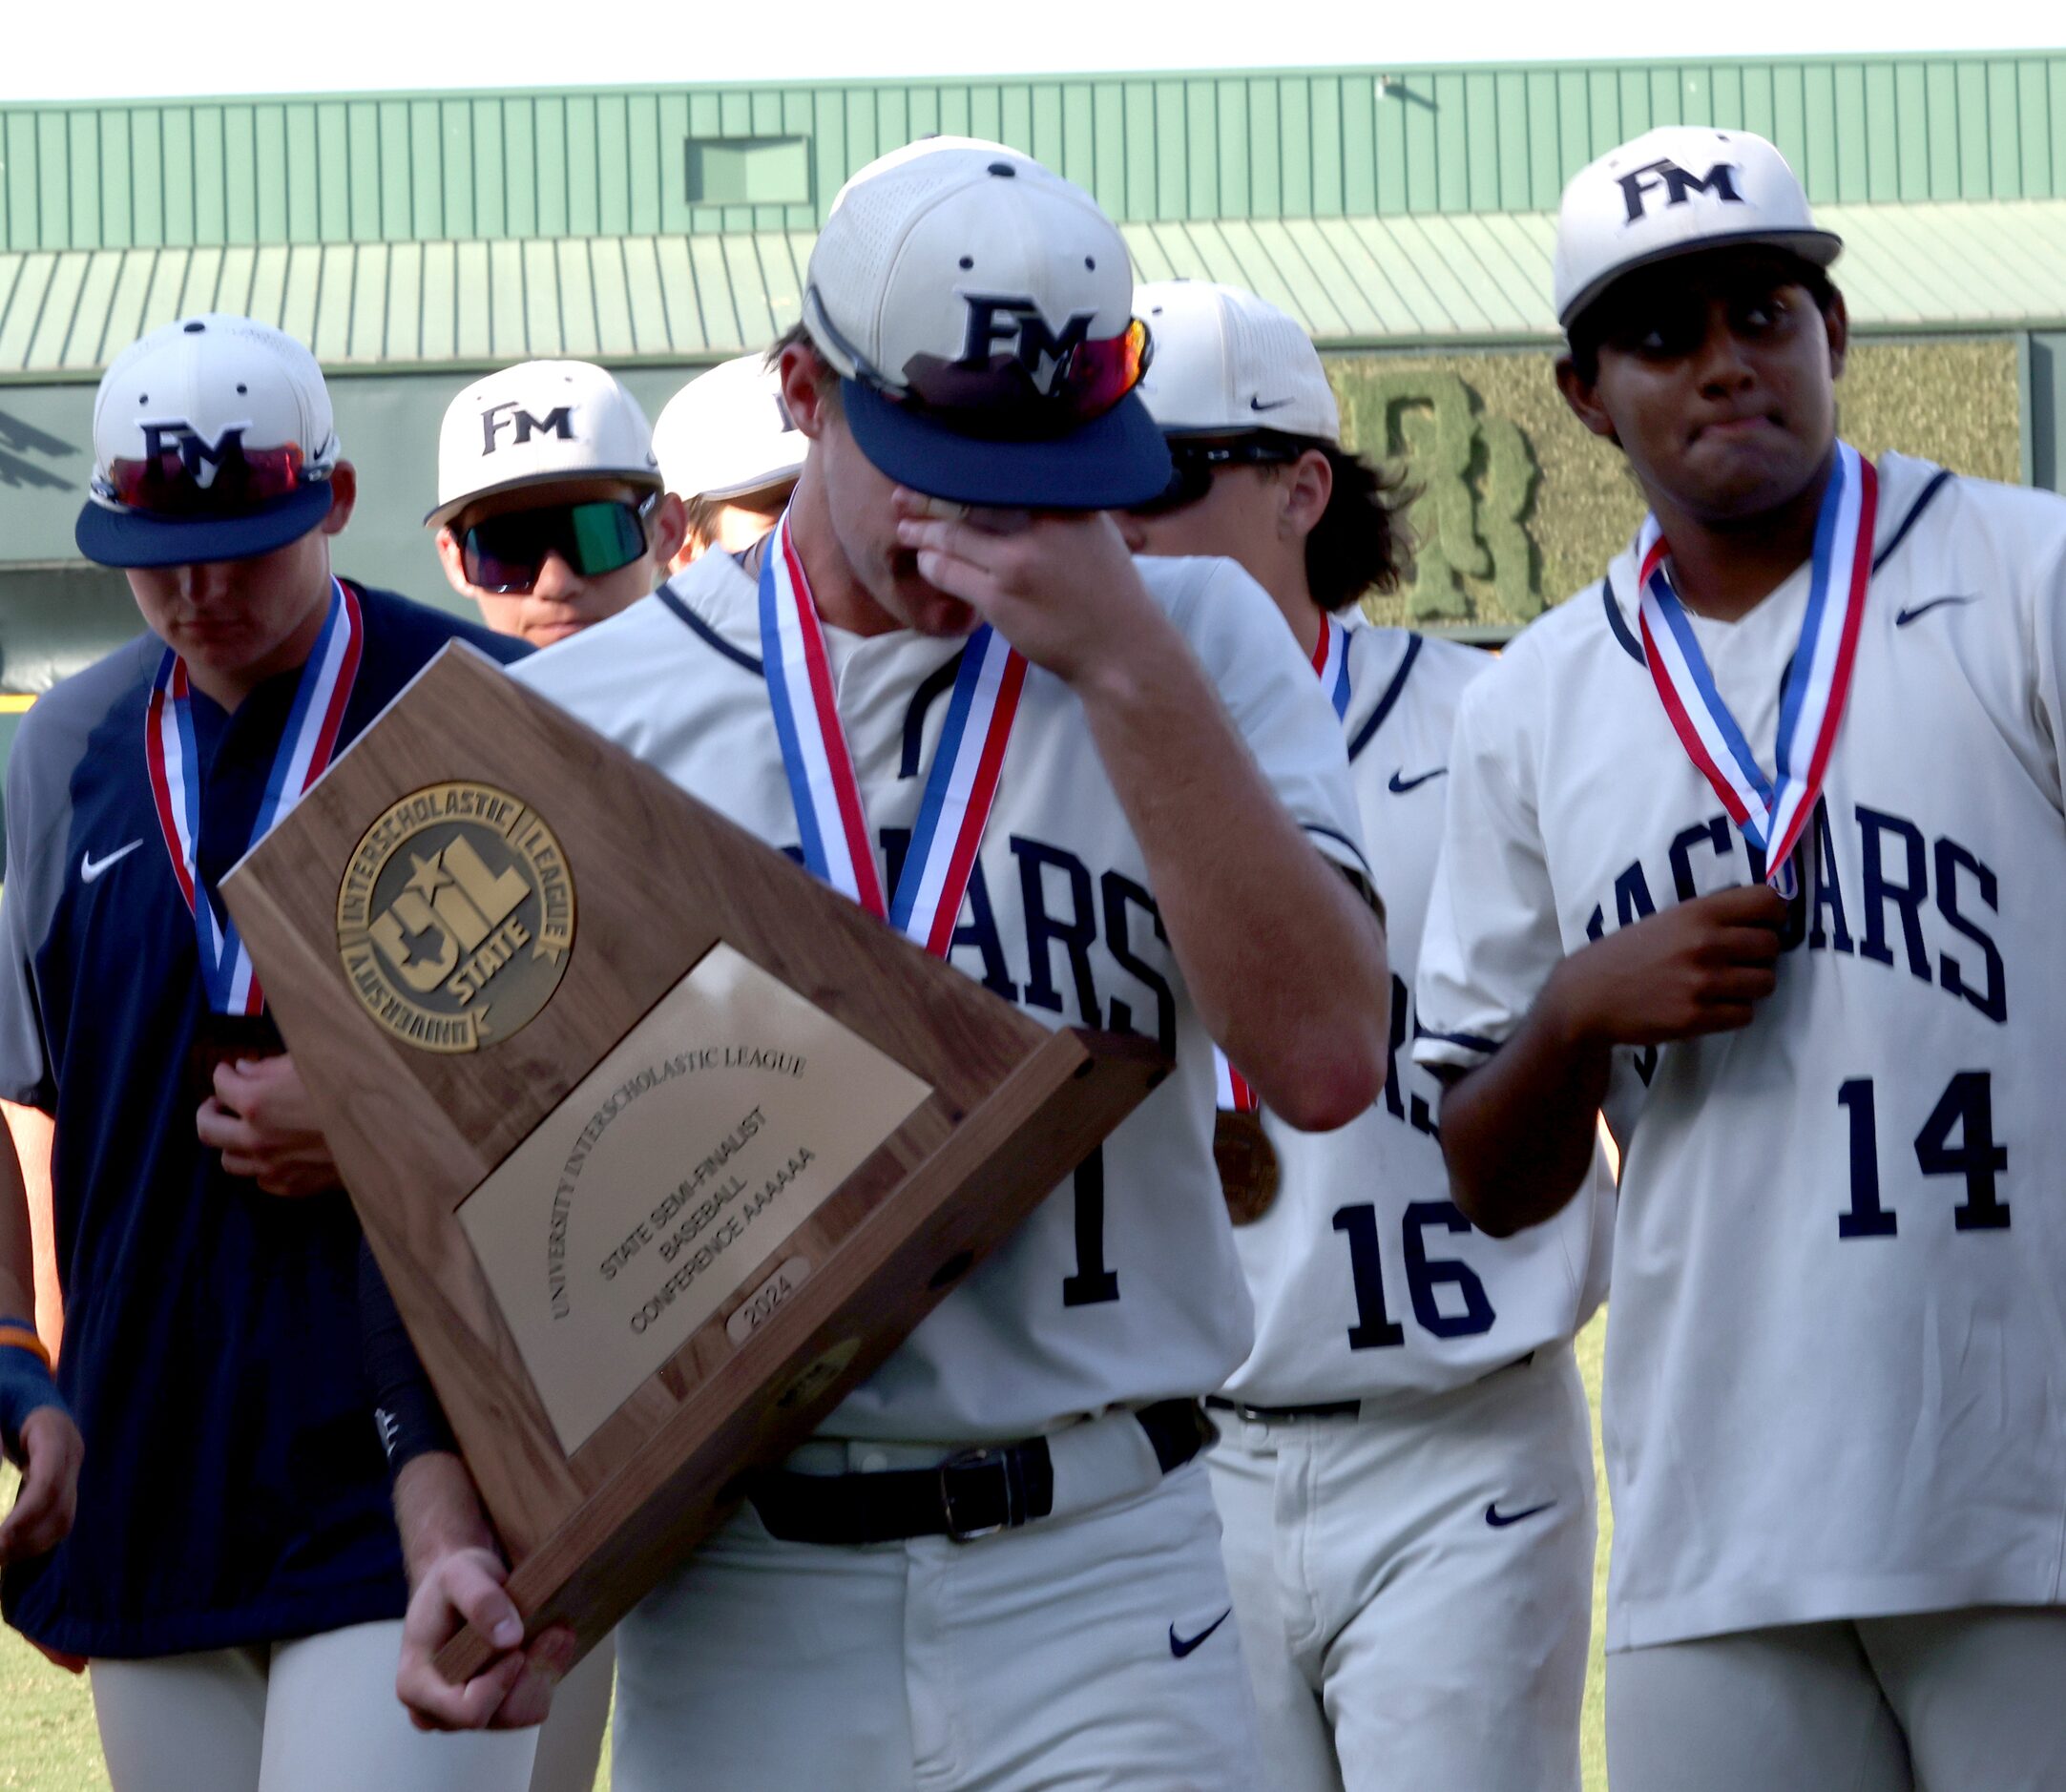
(1193, 464)
(999, 398)
(241, 479)
(506, 553)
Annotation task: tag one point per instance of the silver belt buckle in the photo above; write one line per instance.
(956, 1530)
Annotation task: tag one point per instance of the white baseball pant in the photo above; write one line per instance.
(315, 1715)
(1940, 1702)
(1414, 1586)
(1084, 1653)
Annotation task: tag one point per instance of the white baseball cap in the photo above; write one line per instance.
(537, 423)
(1673, 191)
(1228, 363)
(212, 440)
(979, 311)
(728, 432)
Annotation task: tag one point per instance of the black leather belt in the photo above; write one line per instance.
(1285, 1415)
(1327, 1408)
(973, 1494)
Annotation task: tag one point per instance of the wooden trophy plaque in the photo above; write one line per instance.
(661, 1145)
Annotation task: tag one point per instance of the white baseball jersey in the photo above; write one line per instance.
(1367, 1280)
(1122, 1287)
(1836, 1376)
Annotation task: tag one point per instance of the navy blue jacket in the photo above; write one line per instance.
(234, 1489)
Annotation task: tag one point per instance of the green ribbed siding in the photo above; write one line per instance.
(1153, 149)
(1352, 281)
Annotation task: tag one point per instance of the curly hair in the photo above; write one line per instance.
(1361, 542)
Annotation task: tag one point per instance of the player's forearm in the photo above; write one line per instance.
(1519, 1132)
(1286, 963)
(438, 1511)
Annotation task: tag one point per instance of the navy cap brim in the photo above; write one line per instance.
(1110, 464)
(139, 538)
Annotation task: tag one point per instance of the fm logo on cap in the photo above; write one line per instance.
(1041, 351)
(559, 421)
(1678, 185)
(200, 456)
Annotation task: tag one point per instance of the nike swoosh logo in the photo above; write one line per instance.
(1401, 785)
(1254, 403)
(1180, 1647)
(1499, 1520)
(1902, 617)
(90, 867)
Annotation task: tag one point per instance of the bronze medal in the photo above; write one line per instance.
(225, 1039)
(1247, 1163)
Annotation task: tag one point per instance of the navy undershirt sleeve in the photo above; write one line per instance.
(405, 1406)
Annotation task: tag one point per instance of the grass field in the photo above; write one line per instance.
(47, 1744)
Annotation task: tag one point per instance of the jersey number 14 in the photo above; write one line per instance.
(1967, 1108)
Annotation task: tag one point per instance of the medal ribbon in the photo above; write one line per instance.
(306, 747)
(1330, 665)
(959, 789)
(1771, 812)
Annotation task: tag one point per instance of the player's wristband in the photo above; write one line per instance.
(25, 1379)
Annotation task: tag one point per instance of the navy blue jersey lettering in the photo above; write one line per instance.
(1991, 998)
(1828, 897)
(1881, 890)
(1713, 834)
(1118, 893)
(1075, 935)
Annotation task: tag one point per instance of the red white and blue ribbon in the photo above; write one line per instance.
(1331, 661)
(1230, 1089)
(1770, 812)
(1331, 664)
(959, 790)
(307, 744)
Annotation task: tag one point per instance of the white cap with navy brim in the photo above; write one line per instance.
(204, 387)
(948, 250)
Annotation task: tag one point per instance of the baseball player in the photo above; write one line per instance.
(551, 513)
(1759, 842)
(998, 1565)
(36, 1432)
(730, 450)
(1405, 1468)
(233, 1577)
(552, 516)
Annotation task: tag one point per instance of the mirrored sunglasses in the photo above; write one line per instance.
(506, 553)
(999, 398)
(176, 483)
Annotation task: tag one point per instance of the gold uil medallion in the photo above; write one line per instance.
(455, 917)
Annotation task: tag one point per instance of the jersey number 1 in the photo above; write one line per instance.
(1966, 1106)
(1092, 1283)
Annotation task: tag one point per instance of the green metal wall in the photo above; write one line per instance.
(1339, 142)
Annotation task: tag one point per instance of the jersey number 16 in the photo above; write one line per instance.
(1375, 1329)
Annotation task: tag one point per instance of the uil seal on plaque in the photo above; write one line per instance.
(455, 917)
